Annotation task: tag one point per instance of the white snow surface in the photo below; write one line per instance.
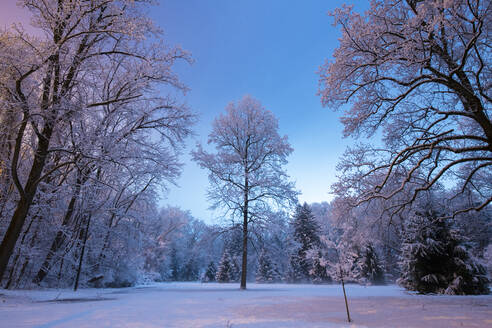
(225, 305)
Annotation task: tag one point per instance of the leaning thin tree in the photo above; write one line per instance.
(419, 73)
(246, 171)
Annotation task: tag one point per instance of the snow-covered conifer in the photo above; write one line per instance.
(224, 271)
(174, 266)
(294, 273)
(435, 260)
(267, 271)
(318, 272)
(211, 272)
(371, 268)
(306, 234)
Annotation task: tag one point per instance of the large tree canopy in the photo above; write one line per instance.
(84, 126)
(419, 73)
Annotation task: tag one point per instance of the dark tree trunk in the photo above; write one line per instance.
(14, 264)
(244, 264)
(8, 243)
(345, 297)
(82, 254)
(29, 191)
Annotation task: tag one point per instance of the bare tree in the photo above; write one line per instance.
(246, 172)
(418, 74)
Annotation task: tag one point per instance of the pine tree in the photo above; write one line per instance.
(435, 260)
(294, 273)
(225, 269)
(211, 272)
(190, 271)
(371, 269)
(235, 273)
(306, 234)
(174, 265)
(267, 271)
(467, 276)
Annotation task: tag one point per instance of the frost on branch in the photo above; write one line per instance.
(90, 138)
(246, 171)
(418, 73)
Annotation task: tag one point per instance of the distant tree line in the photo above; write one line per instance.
(428, 255)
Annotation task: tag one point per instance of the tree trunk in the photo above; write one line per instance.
(14, 264)
(25, 202)
(345, 297)
(82, 254)
(244, 263)
(13, 232)
(50, 98)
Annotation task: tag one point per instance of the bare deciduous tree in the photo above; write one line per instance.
(246, 172)
(419, 72)
(84, 99)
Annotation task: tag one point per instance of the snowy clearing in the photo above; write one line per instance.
(224, 305)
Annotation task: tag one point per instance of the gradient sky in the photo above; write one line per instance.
(270, 49)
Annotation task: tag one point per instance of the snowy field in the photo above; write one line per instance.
(224, 305)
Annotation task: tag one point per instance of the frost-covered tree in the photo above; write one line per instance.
(267, 271)
(175, 265)
(246, 172)
(306, 235)
(225, 270)
(418, 74)
(488, 260)
(90, 138)
(320, 267)
(273, 237)
(371, 269)
(210, 273)
(294, 272)
(435, 260)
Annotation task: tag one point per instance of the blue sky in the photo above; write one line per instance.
(270, 49)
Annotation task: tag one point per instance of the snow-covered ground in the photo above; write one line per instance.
(224, 305)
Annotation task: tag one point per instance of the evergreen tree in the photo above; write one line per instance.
(235, 273)
(267, 271)
(224, 271)
(190, 271)
(306, 234)
(435, 260)
(294, 272)
(371, 269)
(174, 265)
(318, 271)
(210, 273)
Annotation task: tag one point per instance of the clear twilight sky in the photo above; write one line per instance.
(269, 49)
